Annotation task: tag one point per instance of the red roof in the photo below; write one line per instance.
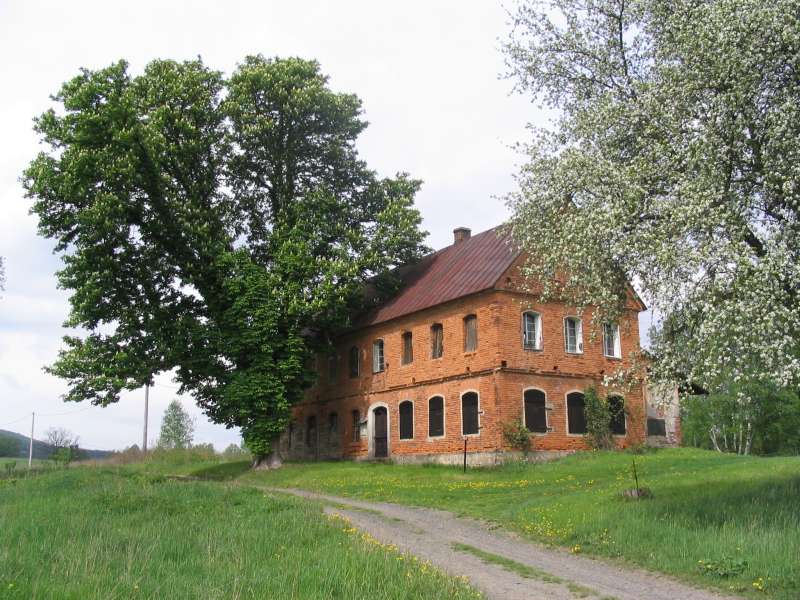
(464, 268)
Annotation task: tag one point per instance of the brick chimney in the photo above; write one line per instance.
(461, 234)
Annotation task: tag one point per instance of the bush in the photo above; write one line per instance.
(517, 436)
(598, 420)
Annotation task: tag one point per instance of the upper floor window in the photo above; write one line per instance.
(377, 356)
(535, 411)
(616, 406)
(576, 415)
(356, 425)
(437, 340)
(611, 346)
(406, 420)
(573, 335)
(408, 348)
(470, 333)
(436, 417)
(354, 360)
(531, 331)
(333, 368)
(469, 414)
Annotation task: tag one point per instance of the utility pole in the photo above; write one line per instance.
(30, 447)
(146, 402)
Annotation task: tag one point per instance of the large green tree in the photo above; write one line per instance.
(177, 427)
(221, 227)
(673, 161)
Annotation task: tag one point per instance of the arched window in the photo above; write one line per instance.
(573, 335)
(408, 348)
(407, 420)
(437, 340)
(354, 361)
(311, 431)
(611, 347)
(616, 406)
(576, 417)
(377, 356)
(470, 333)
(535, 411)
(436, 417)
(531, 331)
(469, 414)
(356, 416)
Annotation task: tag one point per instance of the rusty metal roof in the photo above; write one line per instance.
(458, 270)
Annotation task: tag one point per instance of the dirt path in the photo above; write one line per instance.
(530, 572)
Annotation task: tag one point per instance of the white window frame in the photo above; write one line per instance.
(578, 335)
(378, 358)
(617, 350)
(444, 417)
(413, 420)
(461, 412)
(537, 342)
(546, 412)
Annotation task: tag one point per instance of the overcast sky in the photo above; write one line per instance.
(428, 74)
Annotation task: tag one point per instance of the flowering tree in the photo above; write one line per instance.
(674, 162)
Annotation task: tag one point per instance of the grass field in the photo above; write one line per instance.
(718, 520)
(121, 532)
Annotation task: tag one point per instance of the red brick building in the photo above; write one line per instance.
(458, 352)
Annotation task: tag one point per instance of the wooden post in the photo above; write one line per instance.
(465, 454)
(30, 447)
(146, 402)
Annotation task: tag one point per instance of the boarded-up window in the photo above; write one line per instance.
(354, 361)
(535, 411)
(576, 417)
(333, 368)
(311, 432)
(408, 348)
(436, 416)
(573, 335)
(333, 424)
(437, 340)
(656, 426)
(611, 345)
(616, 406)
(356, 426)
(531, 331)
(406, 420)
(377, 356)
(469, 413)
(470, 333)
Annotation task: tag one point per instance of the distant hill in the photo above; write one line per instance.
(40, 449)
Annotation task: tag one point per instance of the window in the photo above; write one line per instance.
(531, 331)
(333, 424)
(408, 348)
(616, 406)
(611, 340)
(470, 333)
(333, 368)
(573, 335)
(535, 411)
(377, 356)
(291, 434)
(469, 414)
(354, 360)
(311, 431)
(656, 426)
(576, 417)
(406, 420)
(356, 426)
(437, 340)
(436, 417)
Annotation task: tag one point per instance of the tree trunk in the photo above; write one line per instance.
(272, 460)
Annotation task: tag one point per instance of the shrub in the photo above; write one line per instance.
(598, 420)
(517, 436)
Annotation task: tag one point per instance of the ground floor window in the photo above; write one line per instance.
(356, 426)
(436, 417)
(535, 411)
(576, 417)
(616, 406)
(311, 431)
(469, 414)
(406, 420)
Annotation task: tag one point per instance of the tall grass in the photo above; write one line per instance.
(118, 532)
(739, 516)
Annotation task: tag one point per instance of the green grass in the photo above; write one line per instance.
(525, 571)
(739, 514)
(123, 532)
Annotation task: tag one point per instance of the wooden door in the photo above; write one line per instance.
(381, 433)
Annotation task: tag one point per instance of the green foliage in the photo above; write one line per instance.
(727, 566)
(517, 436)
(598, 420)
(177, 427)
(757, 419)
(221, 227)
(234, 451)
(9, 446)
(672, 163)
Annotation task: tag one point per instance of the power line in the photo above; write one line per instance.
(14, 421)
